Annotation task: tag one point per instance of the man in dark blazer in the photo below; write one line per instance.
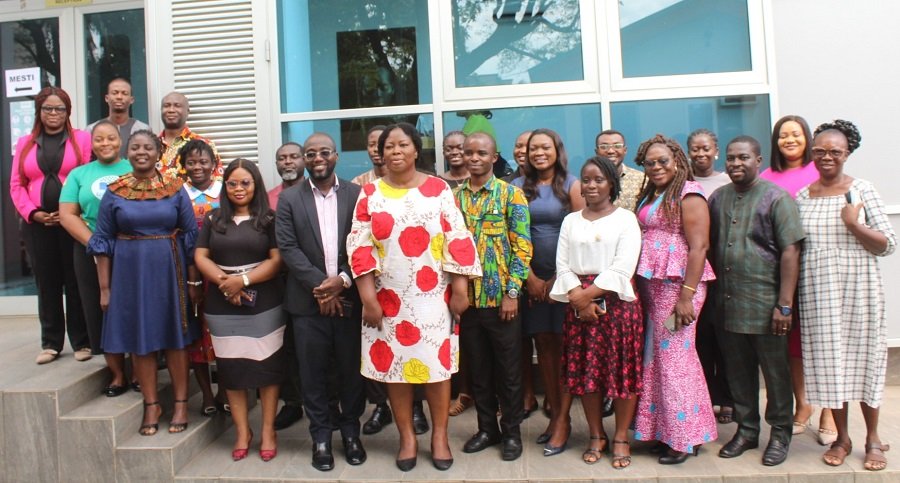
(312, 223)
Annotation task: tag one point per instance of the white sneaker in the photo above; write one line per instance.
(83, 354)
(46, 355)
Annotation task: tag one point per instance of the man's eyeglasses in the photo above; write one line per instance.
(244, 183)
(820, 153)
(311, 155)
(56, 109)
(604, 147)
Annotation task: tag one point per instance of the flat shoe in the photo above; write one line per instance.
(113, 391)
(726, 415)
(462, 402)
(83, 354)
(46, 355)
(876, 461)
(621, 461)
(826, 436)
(838, 452)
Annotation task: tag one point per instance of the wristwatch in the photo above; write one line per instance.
(513, 293)
(785, 310)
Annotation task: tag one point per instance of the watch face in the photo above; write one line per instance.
(785, 311)
(513, 293)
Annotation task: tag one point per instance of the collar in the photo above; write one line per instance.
(214, 190)
(39, 139)
(334, 189)
(184, 135)
(487, 186)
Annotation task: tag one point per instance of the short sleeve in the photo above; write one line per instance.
(71, 187)
(203, 239)
(786, 220)
(365, 257)
(876, 218)
(459, 254)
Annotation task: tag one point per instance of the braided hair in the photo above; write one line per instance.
(847, 128)
(703, 132)
(671, 202)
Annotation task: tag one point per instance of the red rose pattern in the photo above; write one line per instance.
(381, 355)
(407, 333)
(445, 225)
(414, 241)
(362, 210)
(362, 260)
(369, 189)
(463, 251)
(426, 279)
(382, 225)
(389, 301)
(432, 187)
(444, 354)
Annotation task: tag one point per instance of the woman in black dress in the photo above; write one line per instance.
(236, 253)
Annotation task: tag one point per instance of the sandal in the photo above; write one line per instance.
(149, 429)
(838, 452)
(826, 436)
(876, 461)
(620, 461)
(462, 402)
(800, 427)
(178, 427)
(209, 411)
(726, 415)
(593, 455)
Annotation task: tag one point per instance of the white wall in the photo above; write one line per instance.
(837, 59)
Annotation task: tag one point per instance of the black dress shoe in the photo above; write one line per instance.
(288, 415)
(354, 451)
(512, 448)
(480, 441)
(322, 459)
(381, 417)
(113, 391)
(775, 454)
(607, 407)
(737, 446)
(420, 424)
(673, 457)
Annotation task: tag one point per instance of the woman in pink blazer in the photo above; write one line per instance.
(42, 161)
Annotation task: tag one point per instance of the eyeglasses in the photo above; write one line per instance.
(56, 109)
(244, 183)
(820, 153)
(604, 147)
(311, 155)
(662, 162)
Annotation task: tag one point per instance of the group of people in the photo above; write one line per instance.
(657, 293)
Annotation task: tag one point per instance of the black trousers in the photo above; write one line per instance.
(290, 391)
(745, 355)
(50, 250)
(493, 350)
(710, 353)
(321, 342)
(89, 291)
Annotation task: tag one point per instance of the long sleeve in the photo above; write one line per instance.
(293, 256)
(188, 225)
(18, 191)
(459, 247)
(617, 277)
(519, 235)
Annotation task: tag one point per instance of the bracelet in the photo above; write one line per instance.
(246, 279)
(196, 283)
(692, 289)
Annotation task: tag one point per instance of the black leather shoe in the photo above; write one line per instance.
(420, 424)
(288, 416)
(480, 441)
(407, 464)
(114, 391)
(673, 457)
(737, 446)
(381, 417)
(442, 465)
(607, 407)
(775, 454)
(354, 451)
(512, 448)
(323, 459)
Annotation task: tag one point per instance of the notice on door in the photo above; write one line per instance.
(22, 82)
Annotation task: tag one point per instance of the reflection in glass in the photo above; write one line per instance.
(500, 42)
(577, 125)
(728, 117)
(23, 44)
(343, 54)
(672, 37)
(114, 47)
(350, 138)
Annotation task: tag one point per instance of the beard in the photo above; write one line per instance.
(289, 175)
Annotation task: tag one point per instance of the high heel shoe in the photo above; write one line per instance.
(178, 427)
(677, 457)
(241, 453)
(151, 428)
(269, 454)
(542, 438)
(550, 450)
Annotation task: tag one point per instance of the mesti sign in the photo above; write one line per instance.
(22, 82)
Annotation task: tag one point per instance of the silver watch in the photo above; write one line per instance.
(513, 293)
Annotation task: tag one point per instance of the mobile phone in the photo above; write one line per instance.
(250, 299)
(670, 323)
(601, 302)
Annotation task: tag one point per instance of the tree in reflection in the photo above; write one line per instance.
(37, 44)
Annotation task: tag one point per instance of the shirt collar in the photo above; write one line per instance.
(487, 186)
(334, 189)
(213, 191)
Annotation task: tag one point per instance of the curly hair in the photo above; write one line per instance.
(560, 170)
(847, 128)
(671, 202)
(609, 171)
(777, 161)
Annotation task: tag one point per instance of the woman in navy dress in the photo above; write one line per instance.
(143, 243)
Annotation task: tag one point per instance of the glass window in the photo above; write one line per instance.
(114, 47)
(346, 54)
(23, 44)
(350, 139)
(500, 42)
(671, 37)
(577, 125)
(728, 117)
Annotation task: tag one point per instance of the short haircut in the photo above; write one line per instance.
(319, 134)
(482, 134)
(119, 79)
(607, 132)
(290, 143)
(754, 144)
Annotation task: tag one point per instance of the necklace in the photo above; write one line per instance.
(658, 193)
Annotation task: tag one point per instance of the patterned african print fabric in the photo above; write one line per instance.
(171, 163)
(631, 182)
(497, 216)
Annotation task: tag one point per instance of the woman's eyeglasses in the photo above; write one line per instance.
(820, 153)
(56, 109)
(662, 162)
(244, 183)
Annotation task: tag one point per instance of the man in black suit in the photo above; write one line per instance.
(312, 223)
